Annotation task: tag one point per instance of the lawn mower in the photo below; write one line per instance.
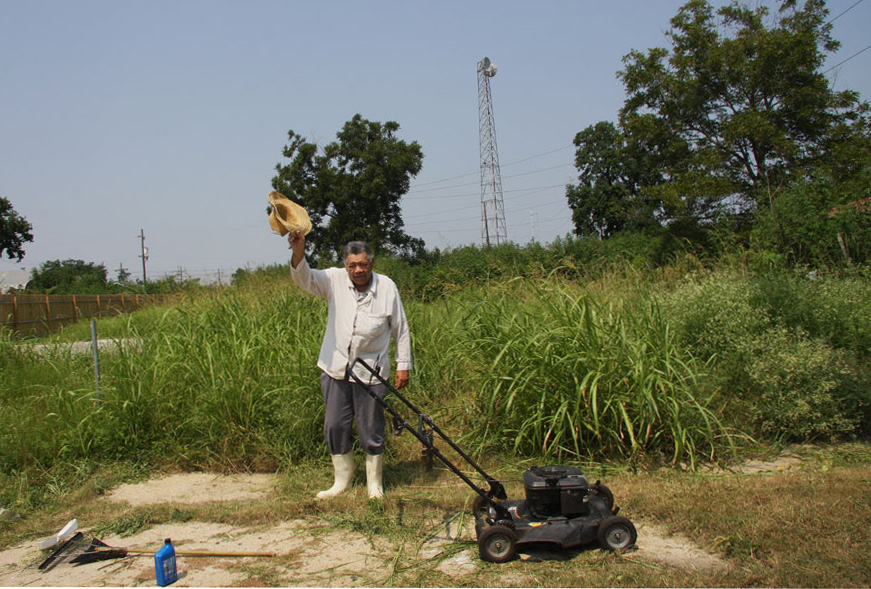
(561, 509)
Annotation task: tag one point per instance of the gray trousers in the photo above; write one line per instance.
(344, 401)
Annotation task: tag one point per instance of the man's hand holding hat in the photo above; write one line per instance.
(297, 243)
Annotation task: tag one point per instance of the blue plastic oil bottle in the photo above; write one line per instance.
(164, 564)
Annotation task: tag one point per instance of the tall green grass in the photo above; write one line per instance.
(563, 374)
(226, 380)
(231, 378)
(675, 365)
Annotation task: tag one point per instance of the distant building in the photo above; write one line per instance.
(13, 279)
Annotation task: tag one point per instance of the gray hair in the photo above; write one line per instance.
(353, 248)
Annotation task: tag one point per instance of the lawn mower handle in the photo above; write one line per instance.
(496, 490)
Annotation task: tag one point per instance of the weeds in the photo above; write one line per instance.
(565, 375)
(127, 524)
(792, 370)
(679, 367)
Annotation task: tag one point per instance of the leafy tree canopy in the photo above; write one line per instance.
(727, 117)
(68, 277)
(14, 231)
(610, 177)
(353, 187)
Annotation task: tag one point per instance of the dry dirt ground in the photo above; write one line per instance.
(308, 552)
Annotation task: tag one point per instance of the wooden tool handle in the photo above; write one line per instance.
(207, 553)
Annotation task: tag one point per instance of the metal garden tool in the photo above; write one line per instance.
(62, 553)
(99, 550)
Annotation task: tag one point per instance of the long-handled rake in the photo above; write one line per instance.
(76, 550)
(99, 550)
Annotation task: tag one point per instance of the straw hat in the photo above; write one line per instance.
(287, 216)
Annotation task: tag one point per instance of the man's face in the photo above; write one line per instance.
(359, 269)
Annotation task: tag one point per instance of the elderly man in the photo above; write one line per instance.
(364, 314)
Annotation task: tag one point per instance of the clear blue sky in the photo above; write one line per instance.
(169, 116)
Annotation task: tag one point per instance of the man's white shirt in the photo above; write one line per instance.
(359, 325)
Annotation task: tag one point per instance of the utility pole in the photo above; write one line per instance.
(122, 273)
(144, 256)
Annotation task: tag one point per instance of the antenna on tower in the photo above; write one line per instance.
(492, 208)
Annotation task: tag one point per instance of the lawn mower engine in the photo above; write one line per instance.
(561, 510)
(555, 491)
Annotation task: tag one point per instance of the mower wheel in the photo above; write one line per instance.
(606, 494)
(617, 534)
(497, 544)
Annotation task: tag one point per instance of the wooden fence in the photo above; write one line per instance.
(38, 315)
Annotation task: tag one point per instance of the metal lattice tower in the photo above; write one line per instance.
(493, 229)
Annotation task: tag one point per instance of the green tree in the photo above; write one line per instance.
(737, 108)
(848, 164)
(124, 276)
(607, 198)
(69, 277)
(14, 231)
(810, 223)
(353, 187)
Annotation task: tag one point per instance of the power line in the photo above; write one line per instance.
(448, 179)
(414, 192)
(539, 170)
(468, 194)
(861, 51)
(846, 11)
(475, 173)
(454, 211)
(532, 157)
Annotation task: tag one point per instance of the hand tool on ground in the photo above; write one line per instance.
(99, 550)
(69, 547)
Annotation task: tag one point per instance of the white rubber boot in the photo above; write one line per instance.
(373, 476)
(343, 465)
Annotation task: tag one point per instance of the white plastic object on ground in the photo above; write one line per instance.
(66, 532)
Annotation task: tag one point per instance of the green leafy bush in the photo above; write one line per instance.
(801, 388)
(816, 223)
(786, 350)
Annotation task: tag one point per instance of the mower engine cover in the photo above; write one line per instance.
(554, 491)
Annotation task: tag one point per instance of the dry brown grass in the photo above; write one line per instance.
(805, 525)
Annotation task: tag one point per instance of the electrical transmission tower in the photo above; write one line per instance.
(493, 228)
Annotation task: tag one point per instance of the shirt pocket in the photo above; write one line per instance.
(372, 325)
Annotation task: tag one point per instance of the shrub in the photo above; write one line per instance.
(814, 223)
(785, 350)
(801, 389)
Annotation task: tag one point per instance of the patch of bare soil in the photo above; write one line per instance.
(308, 552)
(194, 488)
(655, 544)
